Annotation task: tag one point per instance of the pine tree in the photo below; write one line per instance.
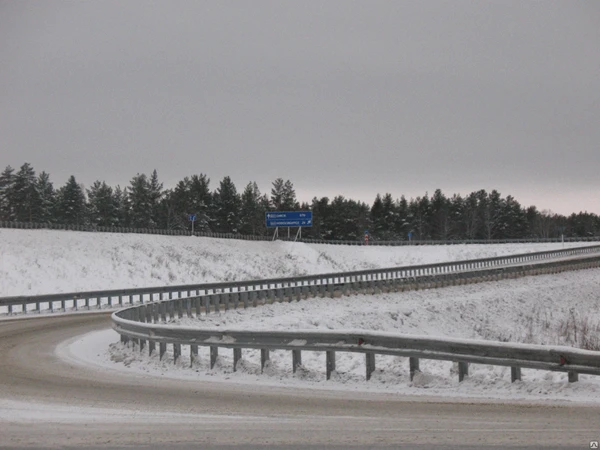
(252, 211)
(227, 207)
(70, 204)
(470, 217)
(492, 213)
(46, 196)
(7, 181)
(166, 211)
(288, 201)
(102, 207)
(180, 205)
(456, 211)
(377, 219)
(155, 192)
(390, 218)
(403, 219)
(121, 206)
(512, 217)
(25, 199)
(199, 201)
(277, 194)
(140, 202)
(420, 210)
(321, 218)
(440, 211)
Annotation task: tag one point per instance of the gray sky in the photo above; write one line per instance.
(341, 97)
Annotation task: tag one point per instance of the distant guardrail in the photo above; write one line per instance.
(406, 277)
(148, 324)
(92, 228)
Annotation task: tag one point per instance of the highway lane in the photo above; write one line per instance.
(45, 402)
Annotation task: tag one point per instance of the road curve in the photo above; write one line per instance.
(70, 405)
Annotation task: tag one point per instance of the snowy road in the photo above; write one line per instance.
(45, 401)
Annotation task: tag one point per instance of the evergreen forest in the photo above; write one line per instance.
(27, 196)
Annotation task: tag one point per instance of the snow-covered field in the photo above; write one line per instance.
(45, 262)
(559, 309)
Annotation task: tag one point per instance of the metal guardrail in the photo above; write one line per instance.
(148, 324)
(321, 283)
(93, 228)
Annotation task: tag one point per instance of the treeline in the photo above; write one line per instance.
(29, 197)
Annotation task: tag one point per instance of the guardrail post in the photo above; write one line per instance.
(141, 315)
(264, 357)
(214, 353)
(176, 352)
(216, 300)
(149, 313)
(296, 359)
(37, 307)
(463, 370)
(171, 309)
(244, 296)
(180, 309)
(198, 306)
(10, 309)
(235, 297)
(322, 289)
(370, 364)
(188, 307)
(573, 376)
(261, 296)
(270, 293)
(151, 347)
(413, 364)
(225, 300)
(142, 345)
(297, 292)
(63, 305)
(206, 300)
(193, 354)
(254, 298)
(329, 362)
(304, 291)
(237, 355)
(331, 289)
(162, 348)
(515, 374)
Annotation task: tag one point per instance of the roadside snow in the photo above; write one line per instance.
(532, 310)
(46, 262)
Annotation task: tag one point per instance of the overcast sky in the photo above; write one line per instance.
(341, 97)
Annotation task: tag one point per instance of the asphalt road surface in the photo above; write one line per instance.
(46, 402)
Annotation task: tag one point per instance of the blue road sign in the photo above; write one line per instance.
(192, 217)
(288, 219)
(409, 235)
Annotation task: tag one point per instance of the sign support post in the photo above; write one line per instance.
(192, 218)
